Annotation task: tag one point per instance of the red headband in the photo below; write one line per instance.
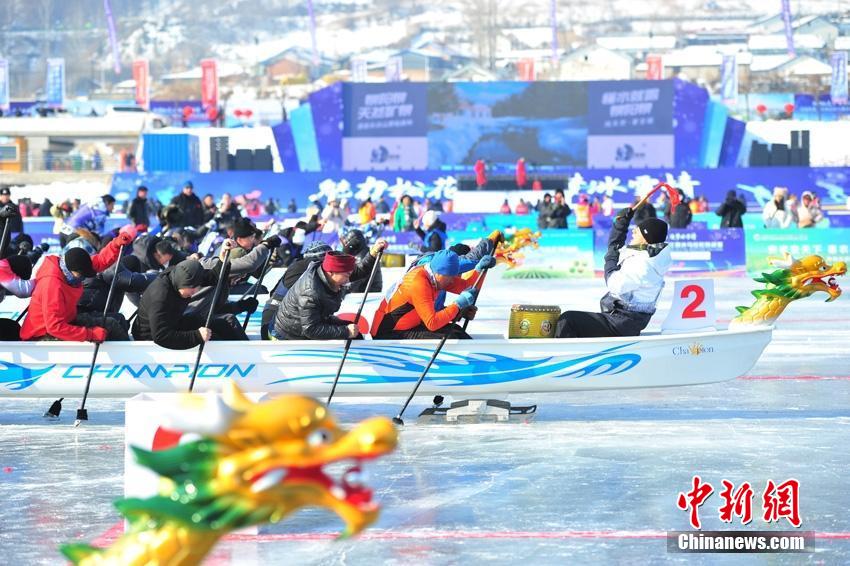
(337, 262)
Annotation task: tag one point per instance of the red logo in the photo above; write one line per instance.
(782, 500)
(740, 503)
(694, 498)
(778, 501)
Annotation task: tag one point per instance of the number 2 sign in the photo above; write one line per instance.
(693, 306)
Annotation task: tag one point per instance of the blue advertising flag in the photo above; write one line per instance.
(789, 30)
(838, 90)
(729, 78)
(54, 90)
(4, 84)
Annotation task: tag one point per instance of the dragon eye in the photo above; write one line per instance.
(823, 268)
(318, 437)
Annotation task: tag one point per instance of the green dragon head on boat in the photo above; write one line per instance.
(796, 279)
(254, 463)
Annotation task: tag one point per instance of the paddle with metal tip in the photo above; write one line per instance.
(397, 419)
(218, 286)
(82, 413)
(54, 410)
(263, 272)
(356, 323)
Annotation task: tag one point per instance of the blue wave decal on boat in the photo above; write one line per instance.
(403, 364)
(16, 377)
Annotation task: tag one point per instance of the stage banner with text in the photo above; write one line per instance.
(562, 254)
(832, 244)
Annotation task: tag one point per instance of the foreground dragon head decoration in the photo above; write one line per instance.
(253, 463)
(796, 279)
(508, 252)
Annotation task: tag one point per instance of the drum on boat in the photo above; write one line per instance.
(392, 260)
(533, 321)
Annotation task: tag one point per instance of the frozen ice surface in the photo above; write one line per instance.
(593, 480)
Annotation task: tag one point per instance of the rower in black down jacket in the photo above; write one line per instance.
(161, 311)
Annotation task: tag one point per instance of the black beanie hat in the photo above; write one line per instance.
(243, 229)
(654, 230)
(353, 242)
(21, 266)
(460, 249)
(78, 259)
(190, 274)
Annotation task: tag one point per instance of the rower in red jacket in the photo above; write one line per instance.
(59, 286)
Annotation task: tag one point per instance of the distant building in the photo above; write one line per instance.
(293, 63)
(471, 73)
(595, 63)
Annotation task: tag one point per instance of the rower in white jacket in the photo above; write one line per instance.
(634, 275)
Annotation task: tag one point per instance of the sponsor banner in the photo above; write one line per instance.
(562, 254)
(4, 84)
(832, 244)
(173, 110)
(838, 89)
(694, 251)
(358, 185)
(753, 184)
(822, 109)
(113, 38)
(629, 107)
(525, 69)
(789, 28)
(141, 74)
(729, 78)
(630, 152)
(384, 153)
(209, 83)
(54, 90)
(385, 110)
(654, 68)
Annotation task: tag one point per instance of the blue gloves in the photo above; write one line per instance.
(485, 262)
(467, 298)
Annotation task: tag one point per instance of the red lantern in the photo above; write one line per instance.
(249, 113)
(237, 113)
(789, 108)
(761, 108)
(188, 111)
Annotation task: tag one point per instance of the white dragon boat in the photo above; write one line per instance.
(485, 366)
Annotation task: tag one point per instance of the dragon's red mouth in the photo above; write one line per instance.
(832, 283)
(348, 487)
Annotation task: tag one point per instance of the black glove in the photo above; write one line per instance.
(8, 210)
(248, 305)
(624, 217)
(627, 213)
(273, 242)
(44, 246)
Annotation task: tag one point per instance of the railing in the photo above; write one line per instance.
(56, 161)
